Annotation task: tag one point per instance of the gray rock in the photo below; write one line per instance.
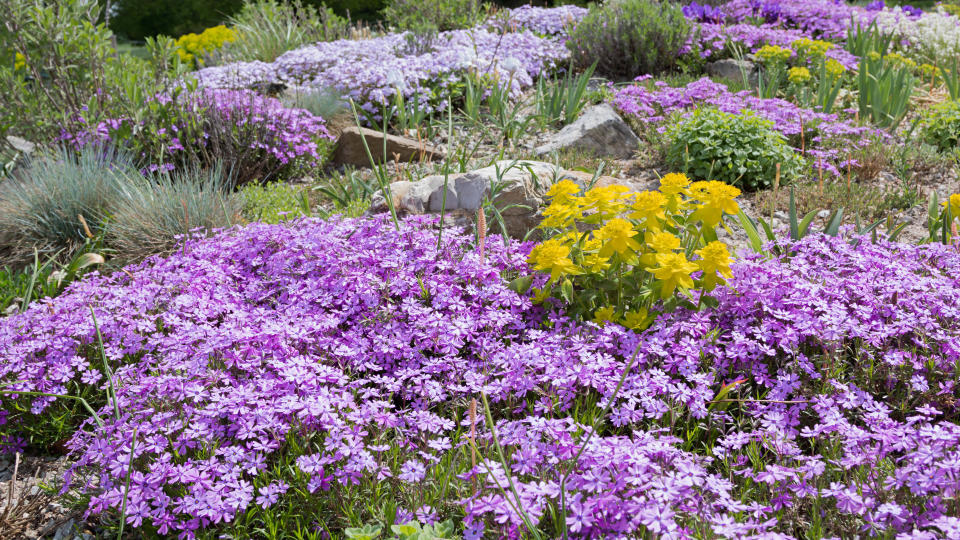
(599, 130)
(730, 68)
(21, 145)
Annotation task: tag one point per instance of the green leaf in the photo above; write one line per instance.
(805, 222)
(833, 225)
(566, 290)
(794, 226)
(521, 285)
(751, 230)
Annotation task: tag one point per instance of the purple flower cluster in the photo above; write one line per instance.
(843, 362)
(704, 13)
(827, 138)
(539, 20)
(372, 70)
(228, 122)
(823, 19)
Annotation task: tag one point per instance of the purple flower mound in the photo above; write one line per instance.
(824, 19)
(345, 337)
(828, 137)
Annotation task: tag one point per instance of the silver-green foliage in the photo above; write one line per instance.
(268, 28)
(59, 201)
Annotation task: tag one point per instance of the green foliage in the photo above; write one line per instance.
(41, 280)
(441, 15)
(156, 210)
(273, 202)
(885, 88)
(940, 125)
(268, 28)
(627, 38)
(560, 101)
(58, 203)
(349, 191)
(70, 74)
(739, 149)
(405, 531)
(139, 19)
(863, 39)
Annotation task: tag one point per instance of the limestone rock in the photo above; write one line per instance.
(599, 130)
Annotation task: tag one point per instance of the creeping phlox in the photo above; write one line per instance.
(193, 47)
(612, 254)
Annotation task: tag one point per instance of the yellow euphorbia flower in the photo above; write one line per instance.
(561, 215)
(714, 259)
(663, 242)
(604, 315)
(773, 54)
(648, 205)
(617, 237)
(592, 260)
(19, 61)
(954, 203)
(553, 256)
(673, 186)
(716, 198)
(813, 48)
(798, 75)
(834, 68)
(563, 191)
(635, 319)
(608, 201)
(673, 270)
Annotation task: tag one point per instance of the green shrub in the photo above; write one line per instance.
(941, 125)
(274, 202)
(139, 19)
(69, 73)
(42, 204)
(268, 28)
(742, 150)
(159, 209)
(627, 38)
(439, 14)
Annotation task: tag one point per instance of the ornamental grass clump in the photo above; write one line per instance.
(638, 249)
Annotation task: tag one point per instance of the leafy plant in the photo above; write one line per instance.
(268, 28)
(159, 209)
(739, 149)
(274, 202)
(884, 90)
(863, 39)
(940, 125)
(630, 37)
(441, 15)
(560, 100)
(41, 279)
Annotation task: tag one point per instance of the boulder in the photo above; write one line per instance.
(730, 68)
(599, 130)
(22, 146)
(517, 188)
(350, 149)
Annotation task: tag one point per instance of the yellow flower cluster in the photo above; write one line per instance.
(953, 203)
(929, 71)
(609, 233)
(900, 60)
(192, 47)
(773, 54)
(798, 75)
(19, 62)
(834, 68)
(811, 48)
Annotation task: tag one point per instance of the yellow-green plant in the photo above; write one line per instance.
(192, 48)
(617, 256)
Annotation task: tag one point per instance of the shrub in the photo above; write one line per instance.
(274, 202)
(69, 72)
(60, 202)
(442, 15)
(739, 149)
(159, 209)
(627, 38)
(194, 49)
(940, 125)
(268, 28)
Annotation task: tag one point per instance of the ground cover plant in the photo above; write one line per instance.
(225, 314)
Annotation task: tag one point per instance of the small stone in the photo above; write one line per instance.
(823, 214)
(351, 151)
(730, 68)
